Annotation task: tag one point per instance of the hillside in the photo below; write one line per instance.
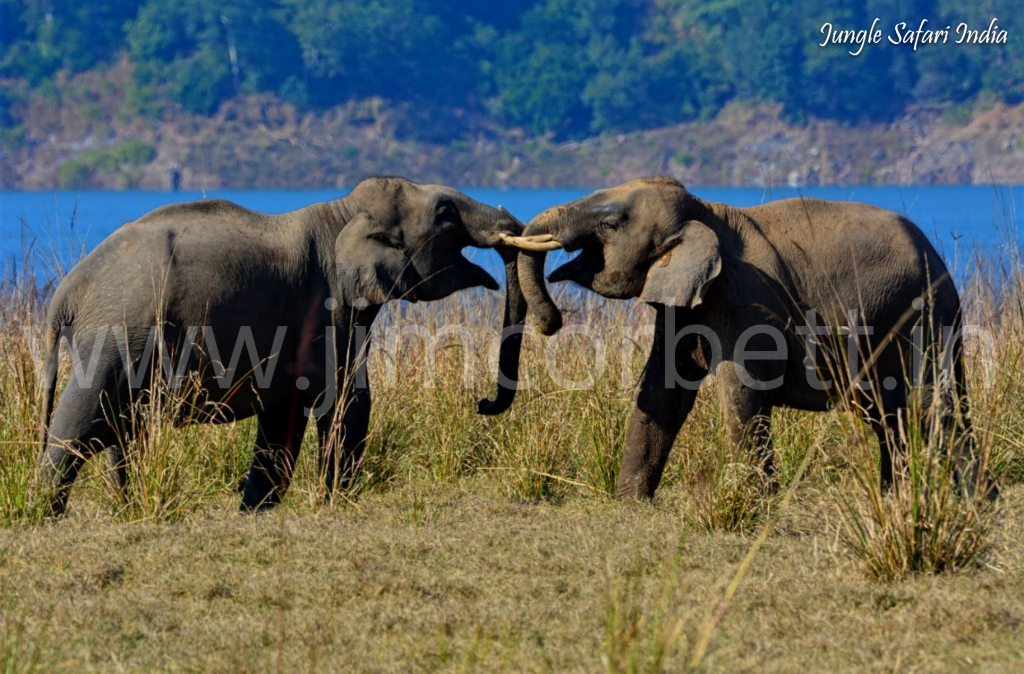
(312, 93)
(77, 137)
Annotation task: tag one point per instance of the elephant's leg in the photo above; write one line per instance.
(887, 412)
(891, 442)
(971, 471)
(118, 476)
(80, 428)
(338, 468)
(278, 439)
(976, 473)
(747, 415)
(948, 428)
(117, 470)
(658, 415)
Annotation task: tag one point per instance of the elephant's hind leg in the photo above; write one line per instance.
(79, 430)
(278, 439)
(891, 442)
(747, 414)
(117, 470)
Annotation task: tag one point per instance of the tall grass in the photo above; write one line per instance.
(16, 655)
(938, 515)
(20, 308)
(174, 471)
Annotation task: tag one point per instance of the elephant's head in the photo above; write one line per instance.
(641, 239)
(405, 241)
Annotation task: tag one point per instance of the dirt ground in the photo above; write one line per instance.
(460, 578)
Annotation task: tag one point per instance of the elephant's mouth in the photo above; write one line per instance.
(582, 268)
(590, 270)
(459, 275)
(475, 274)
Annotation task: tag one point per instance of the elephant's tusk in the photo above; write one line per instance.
(540, 242)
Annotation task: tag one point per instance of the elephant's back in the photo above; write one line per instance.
(849, 255)
(204, 210)
(104, 287)
(179, 260)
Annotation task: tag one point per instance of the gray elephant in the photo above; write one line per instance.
(766, 298)
(297, 292)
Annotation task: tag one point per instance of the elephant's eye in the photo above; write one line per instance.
(613, 222)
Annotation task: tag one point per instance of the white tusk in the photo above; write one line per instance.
(541, 242)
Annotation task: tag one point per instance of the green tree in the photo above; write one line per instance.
(40, 38)
(395, 49)
(850, 88)
(542, 70)
(631, 90)
(1003, 71)
(565, 67)
(541, 87)
(203, 51)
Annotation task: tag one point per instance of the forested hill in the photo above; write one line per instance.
(456, 72)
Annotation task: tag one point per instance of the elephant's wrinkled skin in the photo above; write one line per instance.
(305, 285)
(733, 269)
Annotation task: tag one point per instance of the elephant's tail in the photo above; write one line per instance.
(963, 407)
(51, 352)
(978, 474)
(960, 384)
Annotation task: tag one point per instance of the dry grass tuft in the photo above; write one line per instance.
(642, 628)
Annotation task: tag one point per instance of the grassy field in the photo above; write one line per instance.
(492, 544)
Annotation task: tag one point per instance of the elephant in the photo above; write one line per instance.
(299, 291)
(761, 297)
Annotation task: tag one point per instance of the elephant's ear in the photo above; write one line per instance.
(682, 276)
(367, 268)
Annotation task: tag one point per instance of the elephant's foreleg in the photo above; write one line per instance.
(662, 406)
(887, 413)
(342, 444)
(342, 448)
(278, 439)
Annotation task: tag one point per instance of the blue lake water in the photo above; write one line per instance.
(53, 229)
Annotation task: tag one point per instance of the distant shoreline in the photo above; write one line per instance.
(260, 142)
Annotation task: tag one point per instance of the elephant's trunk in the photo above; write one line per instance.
(531, 277)
(485, 227)
(511, 338)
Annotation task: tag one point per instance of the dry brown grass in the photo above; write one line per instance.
(491, 544)
(458, 578)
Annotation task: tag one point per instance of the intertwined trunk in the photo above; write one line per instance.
(531, 272)
(484, 224)
(512, 338)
